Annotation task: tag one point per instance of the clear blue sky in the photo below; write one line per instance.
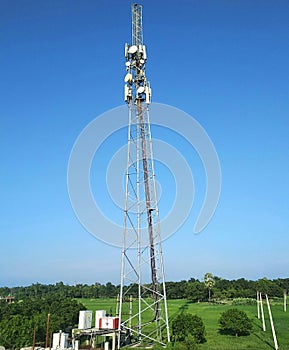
(223, 62)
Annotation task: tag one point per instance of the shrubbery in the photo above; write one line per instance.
(235, 322)
(244, 301)
(187, 326)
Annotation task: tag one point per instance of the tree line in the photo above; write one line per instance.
(192, 289)
(219, 288)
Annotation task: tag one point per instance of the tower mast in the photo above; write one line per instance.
(142, 272)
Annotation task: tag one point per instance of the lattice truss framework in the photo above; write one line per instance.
(143, 307)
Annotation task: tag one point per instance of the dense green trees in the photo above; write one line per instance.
(16, 331)
(193, 289)
(96, 290)
(17, 321)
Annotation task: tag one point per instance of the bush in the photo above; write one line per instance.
(185, 325)
(235, 322)
(244, 301)
(188, 344)
(179, 346)
(191, 343)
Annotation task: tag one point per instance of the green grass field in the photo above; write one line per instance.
(210, 313)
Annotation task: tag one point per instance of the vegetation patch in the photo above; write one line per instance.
(235, 322)
(18, 320)
(186, 326)
(244, 301)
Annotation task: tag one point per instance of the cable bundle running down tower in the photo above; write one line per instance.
(143, 306)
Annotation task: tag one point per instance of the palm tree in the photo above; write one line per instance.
(209, 282)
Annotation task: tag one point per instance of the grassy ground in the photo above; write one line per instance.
(210, 314)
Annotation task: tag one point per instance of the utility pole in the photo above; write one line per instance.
(47, 331)
(262, 313)
(272, 324)
(258, 305)
(142, 272)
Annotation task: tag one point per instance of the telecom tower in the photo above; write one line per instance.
(142, 305)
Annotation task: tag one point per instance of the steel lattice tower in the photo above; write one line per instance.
(142, 305)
